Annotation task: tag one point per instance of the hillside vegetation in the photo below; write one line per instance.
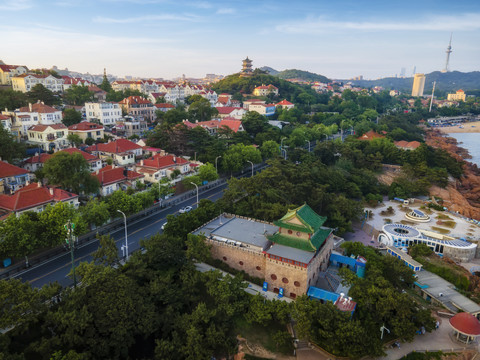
(301, 74)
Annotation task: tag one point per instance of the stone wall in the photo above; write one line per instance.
(463, 255)
(252, 262)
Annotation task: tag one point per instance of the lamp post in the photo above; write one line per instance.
(216, 164)
(308, 144)
(126, 239)
(252, 166)
(69, 226)
(197, 191)
(281, 147)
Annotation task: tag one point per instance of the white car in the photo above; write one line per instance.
(185, 209)
(163, 226)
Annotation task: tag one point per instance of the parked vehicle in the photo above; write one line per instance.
(185, 209)
(163, 226)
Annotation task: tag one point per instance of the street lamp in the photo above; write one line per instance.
(216, 165)
(197, 191)
(126, 239)
(252, 166)
(69, 226)
(281, 147)
(308, 145)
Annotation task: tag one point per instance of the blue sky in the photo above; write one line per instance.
(166, 38)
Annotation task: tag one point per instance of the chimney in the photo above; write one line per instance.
(39, 184)
(30, 107)
(174, 159)
(51, 191)
(141, 162)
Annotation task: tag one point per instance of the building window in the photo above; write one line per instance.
(258, 268)
(241, 263)
(293, 295)
(224, 258)
(290, 232)
(273, 277)
(296, 283)
(285, 280)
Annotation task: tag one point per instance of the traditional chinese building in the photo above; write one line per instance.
(246, 68)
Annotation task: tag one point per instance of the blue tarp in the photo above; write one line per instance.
(321, 294)
(420, 285)
(343, 260)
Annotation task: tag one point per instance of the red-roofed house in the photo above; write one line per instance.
(114, 178)
(370, 135)
(95, 162)
(138, 107)
(9, 71)
(69, 81)
(122, 151)
(48, 137)
(264, 90)
(263, 109)
(284, 104)
(212, 126)
(224, 100)
(36, 162)
(35, 197)
(12, 177)
(458, 96)
(228, 111)
(405, 145)
(87, 130)
(6, 122)
(164, 107)
(247, 103)
(158, 167)
(98, 94)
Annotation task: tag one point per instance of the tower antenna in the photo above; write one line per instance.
(449, 51)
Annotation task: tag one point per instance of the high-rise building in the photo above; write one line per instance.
(418, 84)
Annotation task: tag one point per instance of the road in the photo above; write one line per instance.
(58, 267)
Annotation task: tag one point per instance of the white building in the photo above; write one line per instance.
(26, 82)
(107, 113)
(9, 71)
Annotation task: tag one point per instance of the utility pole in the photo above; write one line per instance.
(252, 166)
(431, 100)
(70, 227)
(216, 164)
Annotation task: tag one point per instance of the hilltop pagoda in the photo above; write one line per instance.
(246, 68)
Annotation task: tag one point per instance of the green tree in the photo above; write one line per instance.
(89, 141)
(41, 93)
(71, 172)
(95, 213)
(270, 149)
(201, 110)
(10, 149)
(107, 252)
(207, 172)
(71, 117)
(74, 140)
(78, 95)
(105, 85)
(11, 100)
(236, 157)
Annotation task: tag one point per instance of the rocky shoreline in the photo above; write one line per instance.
(461, 195)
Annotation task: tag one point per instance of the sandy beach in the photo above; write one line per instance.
(470, 127)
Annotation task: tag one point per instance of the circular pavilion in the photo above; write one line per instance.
(466, 327)
(418, 216)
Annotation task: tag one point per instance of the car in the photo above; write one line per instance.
(163, 226)
(185, 209)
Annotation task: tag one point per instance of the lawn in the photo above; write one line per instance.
(449, 223)
(443, 217)
(440, 230)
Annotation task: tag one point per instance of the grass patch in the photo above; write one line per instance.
(444, 217)
(263, 335)
(387, 221)
(441, 230)
(448, 223)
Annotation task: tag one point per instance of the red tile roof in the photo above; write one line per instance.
(86, 156)
(39, 108)
(42, 128)
(165, 105)
(284, 103)
(85, 126)
(231, 124)
(4, 117)
(110, 175)
(95, 89)
(41, 158)
(134, 100)
(370, 135)
(225, 110)
(407, 145)
(159, 162)
(115, 147)
(266, 87)
(466, 324)
(7, 170)
(33, 195)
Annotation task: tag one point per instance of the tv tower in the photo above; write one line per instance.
(449, 51)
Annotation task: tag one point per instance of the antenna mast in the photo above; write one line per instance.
(431, 100)
(449, 51)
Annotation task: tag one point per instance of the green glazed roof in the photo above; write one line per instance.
(310, 219)
(289, 241)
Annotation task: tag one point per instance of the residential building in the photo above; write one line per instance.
(370, 135)
(87, 130)
(33, 114)
(224, 100)
(36, 162)
(158, 167)
(69, 81)
(229, 111)
(406, 145)
(6, 122)
(284, 104)
(263, 109)
(12, 178)
(418, 84)
(48, 137)
(164, 107)
(94, 162)
(289, 254)
(129, 126)
(26, 82)
(138, 107)
(212, 126)
(98, 94)
(247, 103)
(113, 178)
(265, 90)
(9, 71)
(458, 96)
(210, 95)
(107, 113)
(121, 151)
(153, 97)
(35, 197)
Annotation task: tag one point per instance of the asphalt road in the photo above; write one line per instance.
(58, 267)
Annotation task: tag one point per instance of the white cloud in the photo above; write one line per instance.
(15, 5)
(224, 11)
(163, 17)
(462, 22)
(201, 4)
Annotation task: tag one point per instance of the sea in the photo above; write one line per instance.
(471, 142)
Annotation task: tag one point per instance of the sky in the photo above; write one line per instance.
(340, 39)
